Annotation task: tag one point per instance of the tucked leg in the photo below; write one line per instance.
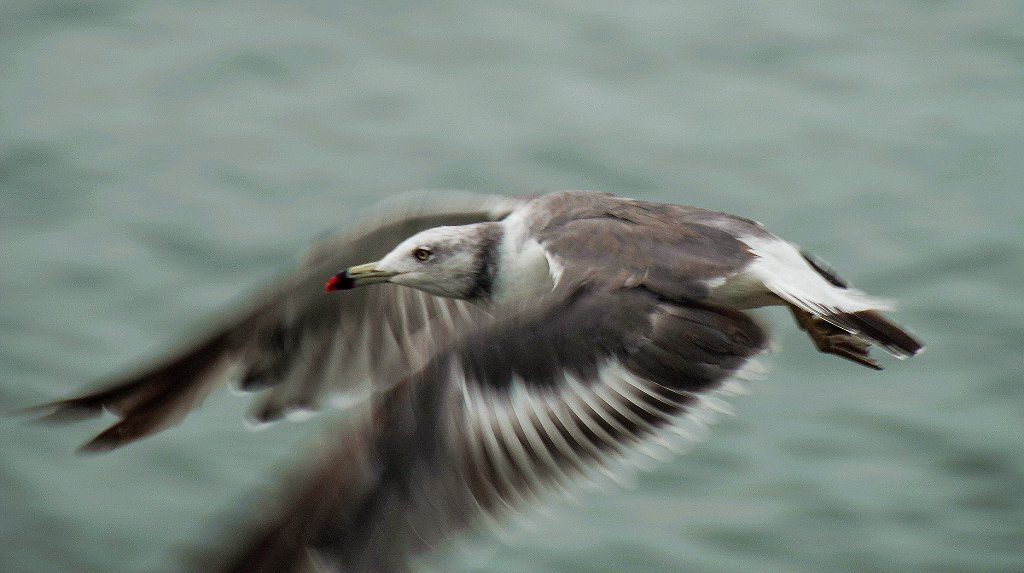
(831, 339)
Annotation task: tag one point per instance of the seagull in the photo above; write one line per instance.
(505, 348)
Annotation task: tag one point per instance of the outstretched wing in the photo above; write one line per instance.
(522, 406)
(294, 341)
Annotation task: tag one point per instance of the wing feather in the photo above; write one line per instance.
(484, 431)
(295, 342)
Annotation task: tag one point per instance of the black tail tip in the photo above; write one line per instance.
(873, 325)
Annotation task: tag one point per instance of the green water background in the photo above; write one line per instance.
(159, 159)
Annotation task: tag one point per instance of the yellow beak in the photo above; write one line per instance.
(357, 276)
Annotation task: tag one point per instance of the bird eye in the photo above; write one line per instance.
(422, 253)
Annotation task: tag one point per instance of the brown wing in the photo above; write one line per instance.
(293, 341)
(522, 406)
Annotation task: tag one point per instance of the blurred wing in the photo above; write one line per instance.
(295, 341)
(525, 405)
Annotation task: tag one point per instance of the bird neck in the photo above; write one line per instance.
(486, 259)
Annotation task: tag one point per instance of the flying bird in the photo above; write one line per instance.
(506, 348)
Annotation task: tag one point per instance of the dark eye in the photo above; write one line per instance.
(422, 253)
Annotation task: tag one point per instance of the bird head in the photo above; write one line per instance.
(453, 262)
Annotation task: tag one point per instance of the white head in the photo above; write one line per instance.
(454, 262)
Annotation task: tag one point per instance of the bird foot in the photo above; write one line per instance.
(831, 339)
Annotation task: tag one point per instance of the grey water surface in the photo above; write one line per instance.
(160, 159)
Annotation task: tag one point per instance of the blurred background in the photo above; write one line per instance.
(159, 159)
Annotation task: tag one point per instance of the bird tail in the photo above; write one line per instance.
(873, 326)
(809, 284)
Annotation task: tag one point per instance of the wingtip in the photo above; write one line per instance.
(110, 439)
(95, 447)
(74, 410)
(58, 411)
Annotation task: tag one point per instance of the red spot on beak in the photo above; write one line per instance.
(332, 283)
